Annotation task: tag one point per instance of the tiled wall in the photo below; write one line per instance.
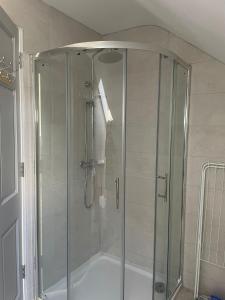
(206, 134)
(44, 27)
(206, 143)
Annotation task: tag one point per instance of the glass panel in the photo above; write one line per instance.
(52, 174)
(95, 172)
(163, 164)
(176, 177)
(142, 79)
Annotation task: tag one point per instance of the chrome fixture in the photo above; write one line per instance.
(160, 287)
(117, 183)
(164, 195)
(110, 57)
(88, 164)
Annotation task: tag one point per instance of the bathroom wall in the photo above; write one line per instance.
(206, 136)
(44, 27)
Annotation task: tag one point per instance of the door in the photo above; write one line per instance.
(162, 178)
(96, 174)
(10, 199)
(172, 127)
(177, 172)
(80, 101)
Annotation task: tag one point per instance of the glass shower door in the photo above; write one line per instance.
(177, 174)
(162, 178)
(171, 167)
(51, 86)
(96, 174)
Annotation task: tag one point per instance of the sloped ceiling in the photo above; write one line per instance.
(200, 22)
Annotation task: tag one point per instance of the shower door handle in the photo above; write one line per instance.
(165, 178)
(117, 183)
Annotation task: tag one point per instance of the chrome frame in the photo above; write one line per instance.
(186, 119)
(92, 46)
(205, 167)
(113, 45)
(124, 153)
(186, 130)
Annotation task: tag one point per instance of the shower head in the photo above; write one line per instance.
(110, 57)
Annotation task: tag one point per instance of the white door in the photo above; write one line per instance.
(10, 199)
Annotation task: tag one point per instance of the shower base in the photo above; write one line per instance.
(99, 279)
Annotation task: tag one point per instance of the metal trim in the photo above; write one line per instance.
(205, 167)
(113, 44)
(123, 202)
(156, 171)
(186, 129)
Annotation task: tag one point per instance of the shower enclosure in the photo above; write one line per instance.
(111, 163)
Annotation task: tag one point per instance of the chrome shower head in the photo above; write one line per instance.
(110, 57)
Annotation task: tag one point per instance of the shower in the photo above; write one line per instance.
(89, 164)
(111, 163)
(109, 57)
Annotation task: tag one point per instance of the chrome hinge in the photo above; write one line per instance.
(20, 60)
(23, 271)
(21, 169)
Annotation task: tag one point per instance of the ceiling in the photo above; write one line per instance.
(200, 22)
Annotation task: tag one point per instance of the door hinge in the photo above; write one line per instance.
(21, 169)
(23, 271)
(20, 60)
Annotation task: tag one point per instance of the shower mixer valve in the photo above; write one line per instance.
(88, 164)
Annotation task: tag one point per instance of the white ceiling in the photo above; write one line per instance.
(201, 22)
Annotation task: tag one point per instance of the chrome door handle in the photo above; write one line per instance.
(117, 183)
(165, 178)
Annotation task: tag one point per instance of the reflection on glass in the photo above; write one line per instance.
(176, 178)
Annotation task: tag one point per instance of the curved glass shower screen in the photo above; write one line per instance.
(97, 132)
(81, 104)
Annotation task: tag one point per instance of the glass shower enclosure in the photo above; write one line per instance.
(111, 162)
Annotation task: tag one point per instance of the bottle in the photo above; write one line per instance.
(215, 298)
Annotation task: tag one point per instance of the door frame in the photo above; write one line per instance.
(186, 130)
(17, 33)
(184, 175)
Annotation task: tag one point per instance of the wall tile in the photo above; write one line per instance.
(207, 110)
(208, 77)
(189, 53)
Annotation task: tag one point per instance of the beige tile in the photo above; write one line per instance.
(141, 139)
(140, 190)
(191, 227)
(212, 280)
(208, 77)
(186, 51)
(60, 26)
(207, 141)
(189, 258)
(141, 164)
(192, 199)
(207, 110)
(185, 294)
(146, 34)
(189, 280)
